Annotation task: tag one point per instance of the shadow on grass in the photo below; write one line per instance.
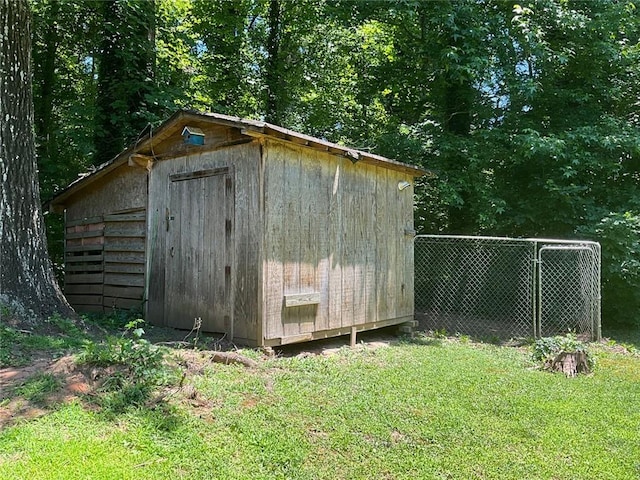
(161, 416)
(420, 339)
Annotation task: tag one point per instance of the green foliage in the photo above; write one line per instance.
(38, 387)
(126, 70)
(619, 236)
(8, 337)
(64, 325)
(115, 319)
(526, 113)
(546, 349)
(439, 334)
(137, 366)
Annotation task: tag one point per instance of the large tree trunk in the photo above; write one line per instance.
(26, 276)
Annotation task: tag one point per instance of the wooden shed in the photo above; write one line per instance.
(264, 234)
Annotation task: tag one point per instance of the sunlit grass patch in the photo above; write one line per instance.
(427, 408)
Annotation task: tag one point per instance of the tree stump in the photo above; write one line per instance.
(570, 363)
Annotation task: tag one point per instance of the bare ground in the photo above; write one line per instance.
(81, 383)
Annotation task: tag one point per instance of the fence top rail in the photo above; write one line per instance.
(566, 242)
(567, 247)
(510, 239)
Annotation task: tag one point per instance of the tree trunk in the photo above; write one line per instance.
(109, 132)
(26, 276)
(126, 68)
(45, 64)
(273, 108)
(570, 363)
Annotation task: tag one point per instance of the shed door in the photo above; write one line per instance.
(199, 239)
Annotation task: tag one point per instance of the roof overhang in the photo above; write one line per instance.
(251, 128)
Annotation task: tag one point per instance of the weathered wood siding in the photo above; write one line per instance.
(334, 232)
(241, 251)
(124, 188)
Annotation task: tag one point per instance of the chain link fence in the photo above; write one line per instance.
(504, 288)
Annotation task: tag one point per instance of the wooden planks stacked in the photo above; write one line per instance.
(84, 255)
(124, 259)
(105, 261)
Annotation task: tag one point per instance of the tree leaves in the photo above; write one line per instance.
(528, 113)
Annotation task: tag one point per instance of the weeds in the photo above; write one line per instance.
(64, 325)
(8, 337)
(135, 367)
(38, 387)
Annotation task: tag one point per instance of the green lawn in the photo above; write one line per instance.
(428, 409)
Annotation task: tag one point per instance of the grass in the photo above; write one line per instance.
(431, 408)
(17, 347)
(37, 387)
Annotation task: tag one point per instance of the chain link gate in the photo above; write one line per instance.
(493, 287)
(569, 289)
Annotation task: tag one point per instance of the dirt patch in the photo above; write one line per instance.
(73, 383)
(82, 383)
(371, 339)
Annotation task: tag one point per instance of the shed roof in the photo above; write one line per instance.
(252, 128)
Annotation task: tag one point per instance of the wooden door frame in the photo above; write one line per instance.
(229, 181)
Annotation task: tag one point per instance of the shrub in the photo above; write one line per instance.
(619, 236)
(137, 366)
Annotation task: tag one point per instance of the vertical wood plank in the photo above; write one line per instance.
(248, 227)
(292, 232)
(360, 214)
(243, 190)
(370, 236)
(335, 242)
(229, 261)
(154, 285)
(394, 242)
(261, 328)
(311, 224)
(382, 245)
(349, 226)
(321, 236)
(273, 242)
